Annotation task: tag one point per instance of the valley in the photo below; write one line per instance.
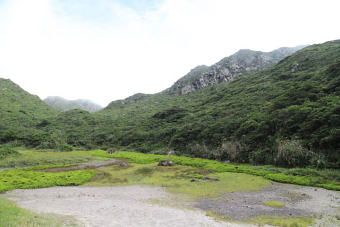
(252, 140)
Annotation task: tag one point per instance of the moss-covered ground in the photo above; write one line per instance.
(329, 179)
(273, 203)
(181, 179)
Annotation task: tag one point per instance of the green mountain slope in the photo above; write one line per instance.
(296, 99)
(20, 112)
(64, 104)
(289, 111)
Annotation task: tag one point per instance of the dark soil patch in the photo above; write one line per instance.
(241, 206)
(84, 166)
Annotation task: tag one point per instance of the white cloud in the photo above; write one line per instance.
(50, 51)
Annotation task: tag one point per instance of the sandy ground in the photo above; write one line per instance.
(113, 206)
(298, 201)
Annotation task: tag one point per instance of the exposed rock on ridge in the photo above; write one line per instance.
(228, 68)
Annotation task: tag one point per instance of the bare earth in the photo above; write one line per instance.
(112, 206)
(153, 206)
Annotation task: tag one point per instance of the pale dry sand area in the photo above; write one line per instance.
(114, 206)
(152, 206)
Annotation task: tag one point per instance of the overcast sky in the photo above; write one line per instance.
(105, 50)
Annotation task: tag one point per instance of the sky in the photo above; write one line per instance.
(104, 50)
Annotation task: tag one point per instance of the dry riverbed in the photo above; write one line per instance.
(112, 206)
(136, 206)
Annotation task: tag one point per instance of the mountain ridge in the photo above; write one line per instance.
(63, 104)
(225, 70)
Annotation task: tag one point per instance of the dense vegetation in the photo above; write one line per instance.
(293, 106)
(288, 115)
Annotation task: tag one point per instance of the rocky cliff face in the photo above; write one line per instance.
(229, 68)
(65, 105)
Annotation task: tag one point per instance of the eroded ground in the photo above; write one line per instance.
(112, 206)
(123, 194)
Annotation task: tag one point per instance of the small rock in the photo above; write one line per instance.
(123, 164)
(111, 151)
(210, 179)
(166, 162)
(171, 152)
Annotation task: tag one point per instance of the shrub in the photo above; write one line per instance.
(66, 147)
(234, 151)
(198, 151)
(319, 161)
(262, 156)
(7, 151)
(291, 153)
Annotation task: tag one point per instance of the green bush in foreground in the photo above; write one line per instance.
(309, 177)
(24, 179)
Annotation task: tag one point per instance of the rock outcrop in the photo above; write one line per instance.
(229, 68)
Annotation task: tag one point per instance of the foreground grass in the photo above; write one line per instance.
(13, 216)
(178, 179)
(24, 179)
(329, 179)
(283, 221)
(273, 203)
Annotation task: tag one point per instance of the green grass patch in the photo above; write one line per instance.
(329, 179)
(24, 179)
(177, 179)
(283, 221)
(273, 203)
(13, 216)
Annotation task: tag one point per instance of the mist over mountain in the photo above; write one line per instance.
(64, 104)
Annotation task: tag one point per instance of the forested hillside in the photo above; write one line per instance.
(21, 114)
(296, 101)
(288, 114)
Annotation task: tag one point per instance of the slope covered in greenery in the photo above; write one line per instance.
(297, 100)
(20, 113)
(287, 114)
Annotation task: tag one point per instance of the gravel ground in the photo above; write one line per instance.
(112, 206)
(299, 201)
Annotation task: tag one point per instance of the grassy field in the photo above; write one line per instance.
(329, 179)
(179, 179)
